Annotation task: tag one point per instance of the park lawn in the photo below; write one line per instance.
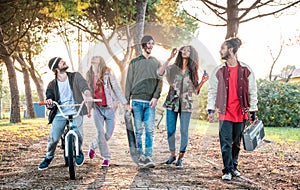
(36, 128)
(28, 128)
(283, 135)
(280, 135)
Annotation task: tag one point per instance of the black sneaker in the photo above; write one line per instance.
(45, 163)
(179, 163)
(142, 161)
(79, 159)
(170, 160)
(146, 162)
(149, 163)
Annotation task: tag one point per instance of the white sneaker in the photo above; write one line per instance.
(236, 173)
(227, 176)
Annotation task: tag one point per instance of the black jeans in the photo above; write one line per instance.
(230, 134)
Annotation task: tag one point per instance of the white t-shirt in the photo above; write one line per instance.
(66, 97)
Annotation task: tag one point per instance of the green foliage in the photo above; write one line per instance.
(168, 12)
(279, 103)
(200, 103)
(178, 28)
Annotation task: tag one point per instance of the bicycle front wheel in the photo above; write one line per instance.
(71, 156)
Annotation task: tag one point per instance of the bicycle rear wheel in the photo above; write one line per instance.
(71, 156)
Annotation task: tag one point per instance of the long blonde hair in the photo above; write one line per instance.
(100, 70)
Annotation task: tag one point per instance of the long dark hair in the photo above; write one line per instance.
(193, 64)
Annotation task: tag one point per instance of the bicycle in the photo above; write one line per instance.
(69, 139)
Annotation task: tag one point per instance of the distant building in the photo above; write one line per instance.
(287, 76)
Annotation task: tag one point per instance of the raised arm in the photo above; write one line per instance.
(162, 69)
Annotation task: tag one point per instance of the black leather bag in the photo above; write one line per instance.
(253, 135)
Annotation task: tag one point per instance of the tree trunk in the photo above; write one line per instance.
(232, 18)
(37, 81)
(14, 91)
(29, 104)
(123, 71)
(140, 21)
(1, 83)
(13, 84)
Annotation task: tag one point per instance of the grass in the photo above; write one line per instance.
(275, 134)
(32, 128)
(28, 128)
(283, 135)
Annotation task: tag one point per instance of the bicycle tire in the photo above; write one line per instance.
(66, 159)
(71, 156)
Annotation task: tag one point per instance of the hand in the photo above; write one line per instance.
(173, 53)
(88, 100)
(49, 102)
(211, 117)
(128, 107)
(89, 114)
(252, 116)
(153, 102)
(205, 78)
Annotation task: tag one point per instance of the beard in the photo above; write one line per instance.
(64, 69)
(226, 56)
(148, 51)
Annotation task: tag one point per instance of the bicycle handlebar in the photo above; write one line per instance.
(70, 105)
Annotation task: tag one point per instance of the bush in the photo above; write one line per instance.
(200, 103)
(278, 103)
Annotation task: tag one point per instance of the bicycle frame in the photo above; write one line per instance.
(71, 137)
(71, 126)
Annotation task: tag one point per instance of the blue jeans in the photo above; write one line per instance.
(230, 134)
(104, 132)
(56, 131)
(144, 120)
(184, 129)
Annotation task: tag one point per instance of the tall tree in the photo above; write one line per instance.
(235, 12)
(15, 98)
(114, 23)
(16, 19)
(30, 46)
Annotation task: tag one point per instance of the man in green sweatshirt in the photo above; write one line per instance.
(143, 87)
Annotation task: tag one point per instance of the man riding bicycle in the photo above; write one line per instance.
(66, 88)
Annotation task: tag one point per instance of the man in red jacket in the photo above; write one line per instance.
(232, 90)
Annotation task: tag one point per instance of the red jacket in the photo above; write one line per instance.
(219, 84)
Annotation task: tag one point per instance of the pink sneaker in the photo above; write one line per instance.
(105, 163)
(91, 153)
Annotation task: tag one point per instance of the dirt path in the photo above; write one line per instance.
(271, 166)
